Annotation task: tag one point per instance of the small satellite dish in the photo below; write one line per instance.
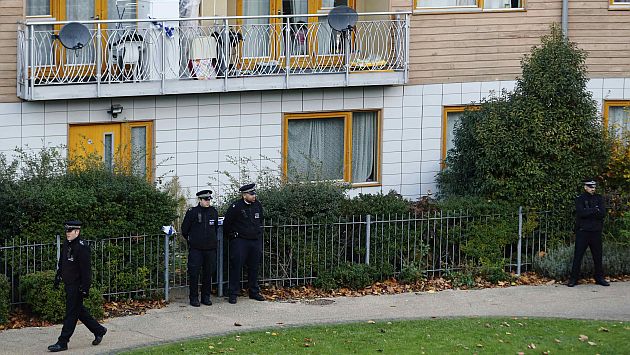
(74, 35)
(342, 18)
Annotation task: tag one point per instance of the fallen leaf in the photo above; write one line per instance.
(602, 329)
(520, 353)
(531, 346)
(480, 345)
(307, 345)
(274, 334)
(591, 343)
(583, 337)
(557, 340)
(236, 324)
(371, 322)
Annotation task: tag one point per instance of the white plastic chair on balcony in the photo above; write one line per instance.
(130, 55)
(202, 58)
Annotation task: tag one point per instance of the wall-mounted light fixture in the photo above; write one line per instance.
(115, 110)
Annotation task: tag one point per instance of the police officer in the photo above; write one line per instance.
(200, 230)
(589, 222)
(75, 271)
(243, 224)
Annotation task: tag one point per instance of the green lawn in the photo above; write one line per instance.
(431, 336)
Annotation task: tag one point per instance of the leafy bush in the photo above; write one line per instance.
(557, 262)
(464, 278)
(49, 303)
(46, 192)
(486, 240)
(412, 272)
(391, 203)
(521, 146)
(352, 276)
(5, 300)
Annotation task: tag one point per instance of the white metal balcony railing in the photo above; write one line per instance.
(208, 54)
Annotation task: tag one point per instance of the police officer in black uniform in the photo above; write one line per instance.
(590, 211)
(75, 271)
(243, 224)
(200, 227)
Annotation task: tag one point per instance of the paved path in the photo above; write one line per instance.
(179, 321)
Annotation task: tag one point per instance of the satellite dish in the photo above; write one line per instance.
(342, 18)
(74, 35)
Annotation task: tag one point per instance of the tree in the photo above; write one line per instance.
(532, 146)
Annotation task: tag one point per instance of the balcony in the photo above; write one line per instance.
(211, 54)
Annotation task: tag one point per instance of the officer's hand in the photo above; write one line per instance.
(57, 281)
(84, 293)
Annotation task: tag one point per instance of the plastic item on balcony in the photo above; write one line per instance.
(161, 38)
(202, 58)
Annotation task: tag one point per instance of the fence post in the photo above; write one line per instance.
(166, 258)
(368, 222)
(220, 259)
(520, 240)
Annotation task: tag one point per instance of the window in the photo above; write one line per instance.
(340, 146)
(617, 116)
(619, 5)
(469, 4)
(451, 116)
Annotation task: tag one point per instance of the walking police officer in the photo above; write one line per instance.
(243, 224)
(200, 227)
(75, 271)
(590, 211)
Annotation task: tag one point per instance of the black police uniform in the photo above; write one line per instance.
(75, 270)
(243, 224)
(200, 230)
(590, 211)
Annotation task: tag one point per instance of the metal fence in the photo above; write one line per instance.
(142, 50)
(295, 252)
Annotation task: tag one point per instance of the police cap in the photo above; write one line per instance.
(249, 188)
(204, 194)
(590, 183)
(71, 225)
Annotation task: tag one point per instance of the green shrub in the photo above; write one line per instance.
(463, 278)
(412, 272)
(494, 273)
(486, 240)
(5, 299)
(352, 276)
(557, 262)
(376, 204)
(49, 303)
(498, 148)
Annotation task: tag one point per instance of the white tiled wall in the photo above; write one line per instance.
(197, 135)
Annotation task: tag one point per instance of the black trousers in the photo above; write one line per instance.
(76, 311)
(583, 240)
(244, 252)
(201, 263)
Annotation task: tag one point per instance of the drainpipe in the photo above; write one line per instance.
(565, 18)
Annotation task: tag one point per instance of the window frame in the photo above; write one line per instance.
(445, 111)
(347, 144)
(615, 5)
(606, 109)
(479, 7)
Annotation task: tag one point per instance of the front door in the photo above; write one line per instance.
(124, 146)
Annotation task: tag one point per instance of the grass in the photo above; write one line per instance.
(431, 336)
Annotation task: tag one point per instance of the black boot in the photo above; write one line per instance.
(572, 282)
(257, 296)
(57, 347)
(206, 301)
(99, 338)
(194, 303)
(602, 282)
(232, 299)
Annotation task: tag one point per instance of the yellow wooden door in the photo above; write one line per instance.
(124, 147)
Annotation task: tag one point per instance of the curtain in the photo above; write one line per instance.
(364, 146)
(256, 31)
(37, 7)
(497, 4)
(452, 119)
(139, 151)
(619, 119)
(315, 149)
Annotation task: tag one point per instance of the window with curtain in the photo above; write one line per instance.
(38, 8)
(317, 146)
(502, 4)
(487, 4)
(452, 115)
(139, 150)
(256, 32)
(618, 118)
(445, 3)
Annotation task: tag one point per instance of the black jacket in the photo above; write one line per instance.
(590, 211)
(244, 220)
(74, 264)
(200, 227)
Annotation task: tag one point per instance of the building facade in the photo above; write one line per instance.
(270, 82)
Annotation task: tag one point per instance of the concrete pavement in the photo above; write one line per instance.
(179, 321)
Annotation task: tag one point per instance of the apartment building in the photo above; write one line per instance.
(180, 88)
